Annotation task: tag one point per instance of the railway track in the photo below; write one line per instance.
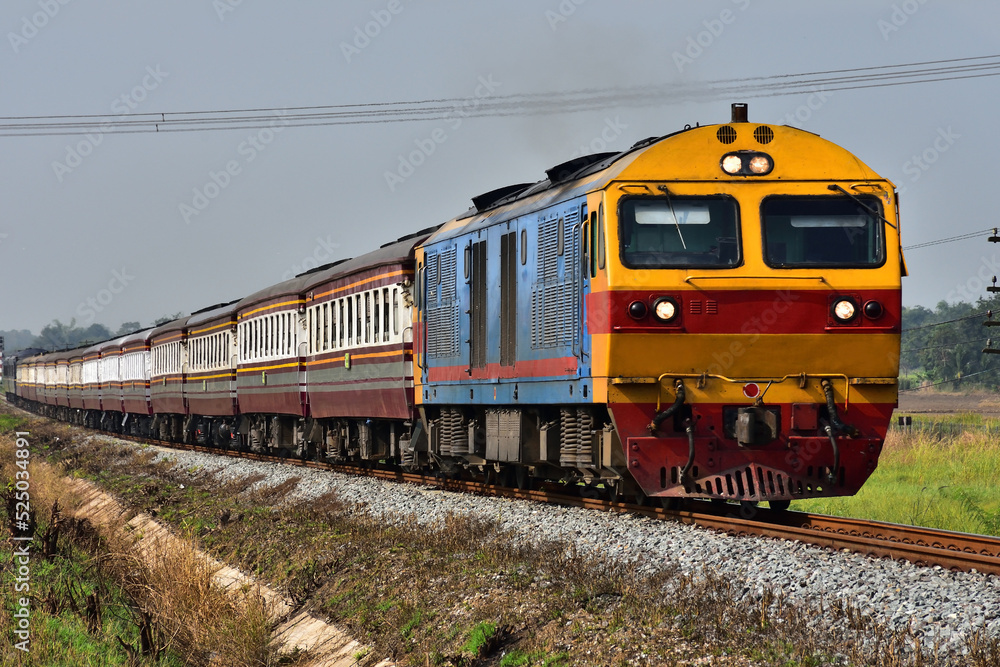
(922, 546)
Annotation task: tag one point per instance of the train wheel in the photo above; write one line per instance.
(611, 488)
(779, 505)
(522, 478)
(672, 504)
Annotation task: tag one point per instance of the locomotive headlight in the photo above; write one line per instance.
(732, 164)
(844, 310)
(760, 164)
(665, 309)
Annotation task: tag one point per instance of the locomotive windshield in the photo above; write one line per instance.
(670, 232)
(822, 231)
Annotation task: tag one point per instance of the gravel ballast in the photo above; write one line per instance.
(941, 607)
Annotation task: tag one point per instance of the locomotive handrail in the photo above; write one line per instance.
(799, 376)
(743, 277)
(579, 242)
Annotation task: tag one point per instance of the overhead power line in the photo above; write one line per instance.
(937, 324)
(491, 105)
(950, 239)
(957, 379)
(935, 347)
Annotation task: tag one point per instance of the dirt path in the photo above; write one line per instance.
(932, 402)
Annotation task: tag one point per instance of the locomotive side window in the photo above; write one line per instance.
(674, 232)
(822, 231)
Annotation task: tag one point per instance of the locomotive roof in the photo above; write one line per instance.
(663, 159)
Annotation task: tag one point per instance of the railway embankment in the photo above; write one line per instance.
(431, 577)
(186, 607)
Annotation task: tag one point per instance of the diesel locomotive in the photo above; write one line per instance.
(713, 313)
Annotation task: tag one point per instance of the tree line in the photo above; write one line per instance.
(945, 345)
(65, 336)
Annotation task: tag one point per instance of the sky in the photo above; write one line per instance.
(109, 227)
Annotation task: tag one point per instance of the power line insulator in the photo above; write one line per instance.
(995, 238)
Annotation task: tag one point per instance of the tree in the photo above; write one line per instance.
(127, 328)
(59, 336)
(168, 318)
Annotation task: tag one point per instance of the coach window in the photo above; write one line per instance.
(395, 311)
(376, 314)
(358, 318)
(341, 329)
(324, 336)
(385, 314)
(350, 320)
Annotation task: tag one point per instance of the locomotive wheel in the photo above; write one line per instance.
(779, 505)
(522, 478)
(612, 490)
(672, 504)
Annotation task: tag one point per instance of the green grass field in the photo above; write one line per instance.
(942, 474)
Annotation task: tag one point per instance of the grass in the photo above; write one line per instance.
(944, 482)
(466, 592)
(167, 589)
(64, 629)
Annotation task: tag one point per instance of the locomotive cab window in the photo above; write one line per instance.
(822, 231)
(674, 232)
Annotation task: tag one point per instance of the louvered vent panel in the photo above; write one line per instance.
(448, 275)
(554, 298)
(443, 310)
(432, 279)
(442, 332)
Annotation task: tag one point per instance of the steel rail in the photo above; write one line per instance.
(921, 546)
